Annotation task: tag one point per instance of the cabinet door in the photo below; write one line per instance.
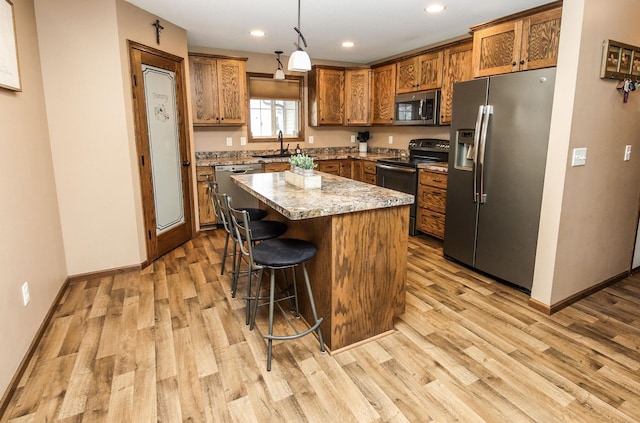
(204, 90)
(205, 209)
(457, 68)
(330, 89)
(540, 40)
(429, 71)
(276, 167)
(346, 168)
(496, 49)
(357, 93)
(232, 88)
(384, 89)
(407, 75)
(357, 171)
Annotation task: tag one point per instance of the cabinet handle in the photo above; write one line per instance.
(522, 62)
(513, 64)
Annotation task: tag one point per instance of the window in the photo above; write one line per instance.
(275, 106)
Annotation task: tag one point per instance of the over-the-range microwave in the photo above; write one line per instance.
(419, 108)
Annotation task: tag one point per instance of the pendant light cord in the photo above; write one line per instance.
(300, 36)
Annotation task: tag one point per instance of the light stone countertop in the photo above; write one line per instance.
(337, 195)
(215, 161)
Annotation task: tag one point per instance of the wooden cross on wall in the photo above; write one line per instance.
(158, 29)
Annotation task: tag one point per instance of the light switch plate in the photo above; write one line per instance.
(353, 138)
(310, 139)
(229, 141)
(390, 139)
(243, 140)
(627, 153)
(579, 157)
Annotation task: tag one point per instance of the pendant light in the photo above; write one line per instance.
(279, 74)
(299, 60)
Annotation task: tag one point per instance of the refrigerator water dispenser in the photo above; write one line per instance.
(464, 149)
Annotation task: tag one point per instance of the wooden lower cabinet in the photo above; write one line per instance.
(369, 172)
(432, 202)
(205, 210)
(346, 168)
(276, 167)
(329, 166)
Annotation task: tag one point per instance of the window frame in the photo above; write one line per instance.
(301, 114)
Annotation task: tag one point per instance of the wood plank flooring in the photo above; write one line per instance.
(169, 344)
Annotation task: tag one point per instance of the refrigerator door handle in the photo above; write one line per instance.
(476, 146)
(488, 111)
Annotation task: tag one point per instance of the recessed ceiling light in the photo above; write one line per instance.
(257, 33)
(347, 44)
(435, 8)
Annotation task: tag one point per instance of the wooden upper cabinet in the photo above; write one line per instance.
(326, 96)
(419, 73)
(357, 95)
(384, 90)
(529, 42)
(218, 90)
(457, 68)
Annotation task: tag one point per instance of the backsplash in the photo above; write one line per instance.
(203, 155)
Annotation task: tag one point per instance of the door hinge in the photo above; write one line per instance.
(149, 232)
(135, 80)
(142, 159)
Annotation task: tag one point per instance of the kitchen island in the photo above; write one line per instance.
(358, 276)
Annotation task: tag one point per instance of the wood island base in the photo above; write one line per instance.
(358, 277)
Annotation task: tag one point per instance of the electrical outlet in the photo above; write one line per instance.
(229, 141)
(579, 157)
(243, 140)
(390, 139)
(310, 139)
(353, 138)
(627, 153)
(26, 297)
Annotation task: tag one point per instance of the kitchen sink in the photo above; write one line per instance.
(275, 156)
(272, 156)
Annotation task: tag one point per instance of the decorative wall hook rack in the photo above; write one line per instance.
(620, 61)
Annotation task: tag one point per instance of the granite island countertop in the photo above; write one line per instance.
(337, 195)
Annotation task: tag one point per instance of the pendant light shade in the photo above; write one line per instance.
(279, 74)
(299, 60)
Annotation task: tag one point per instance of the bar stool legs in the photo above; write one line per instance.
(270, 337)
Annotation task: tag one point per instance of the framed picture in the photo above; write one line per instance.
(613, 58)
(9, 69)
(635, 63)
(619, 61)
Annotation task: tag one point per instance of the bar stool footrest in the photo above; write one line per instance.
(297, 335)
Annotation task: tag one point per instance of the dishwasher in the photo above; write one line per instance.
(239, 197)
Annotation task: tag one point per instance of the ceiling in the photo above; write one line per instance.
(379, 28)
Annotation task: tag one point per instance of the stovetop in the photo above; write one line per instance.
(422, 150)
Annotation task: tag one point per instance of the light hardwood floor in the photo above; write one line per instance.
(169, 344)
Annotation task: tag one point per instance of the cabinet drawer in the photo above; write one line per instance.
(434, 199)
(332, 167)
(430, 222)
(369, 167)
(277, 167)
(202, 172)
(369, 178)
(433, 179)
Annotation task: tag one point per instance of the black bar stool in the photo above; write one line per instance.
(274, 254)
(254, 214)
(262, 230)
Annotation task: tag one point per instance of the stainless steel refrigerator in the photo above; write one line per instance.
(499, 137)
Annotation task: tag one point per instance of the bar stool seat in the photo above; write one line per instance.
(275, 254)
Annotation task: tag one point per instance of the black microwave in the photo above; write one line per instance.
(419, 108)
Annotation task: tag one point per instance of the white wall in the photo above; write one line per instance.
(32, 247)
(589, 213)
(85, 103)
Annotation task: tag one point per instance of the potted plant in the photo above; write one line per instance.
(303, 162)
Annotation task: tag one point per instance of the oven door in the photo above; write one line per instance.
(403, 179)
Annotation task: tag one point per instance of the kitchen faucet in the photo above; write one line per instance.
(281, 141)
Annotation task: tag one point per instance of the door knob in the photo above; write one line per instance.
(186, 163)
